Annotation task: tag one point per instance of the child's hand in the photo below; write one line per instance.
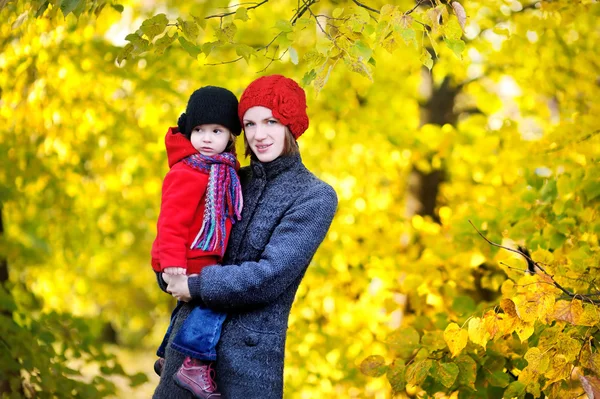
(174, 270)
(178, 287)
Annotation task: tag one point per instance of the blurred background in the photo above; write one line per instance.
(504, 135)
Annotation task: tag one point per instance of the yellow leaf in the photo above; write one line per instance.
(477, 332)
(589, 315)
(562, 311)
(456, 338)
(526, 309)
(524, 330)
(560, 369)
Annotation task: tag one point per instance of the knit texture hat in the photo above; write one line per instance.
(282, 96)
(210, 105)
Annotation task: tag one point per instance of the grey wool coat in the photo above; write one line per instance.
(287, 212)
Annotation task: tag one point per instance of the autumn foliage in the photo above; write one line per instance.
(461, 138)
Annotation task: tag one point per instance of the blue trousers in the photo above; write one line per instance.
(198, 336)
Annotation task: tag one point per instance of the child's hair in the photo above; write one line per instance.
(290, 146)
(231, 144)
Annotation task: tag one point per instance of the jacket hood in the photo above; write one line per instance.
(178, 146)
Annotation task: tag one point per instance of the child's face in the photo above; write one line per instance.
(210, 139)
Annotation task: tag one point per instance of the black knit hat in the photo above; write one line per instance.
(208, 105)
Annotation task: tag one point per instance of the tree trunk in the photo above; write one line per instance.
(438, 109)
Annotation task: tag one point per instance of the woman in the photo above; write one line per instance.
(287, 212)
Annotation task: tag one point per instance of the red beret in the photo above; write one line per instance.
(282, 96)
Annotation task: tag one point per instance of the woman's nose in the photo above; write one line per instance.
(260, 133)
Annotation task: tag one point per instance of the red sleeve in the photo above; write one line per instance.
(182, 191)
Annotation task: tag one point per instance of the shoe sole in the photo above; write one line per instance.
(184, 385)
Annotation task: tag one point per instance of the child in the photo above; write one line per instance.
(201, 199)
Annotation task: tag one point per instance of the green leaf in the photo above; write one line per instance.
(40, 11)
(190, 29)
(7, 303)
(191, 48)
(284, 25)
(445, 373)
(498, 379)
(433, 340)
(139, 43)
(227, 33)
(68, 6)
(457, 46)
(452, 29)
(293, 55)
(426, 59)
(363, 15)
(361, 49)
(208, 47)
(337, 12)
(373, 366)
(154, 26)
(137, 379)
(515, 390)
(467, 371)
(309, 77)
(313, 58)
(408, 35)
(125, 53)
(245, 51)
(396, 375)
(463, 305)
(118, 7)
(241, 14)
(200, 21)
(417, 372)
(161, 44)
(404, 341)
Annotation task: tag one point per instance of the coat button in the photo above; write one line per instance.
(251, 340)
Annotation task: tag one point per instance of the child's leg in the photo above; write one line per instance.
(200, 333)
(198, 338)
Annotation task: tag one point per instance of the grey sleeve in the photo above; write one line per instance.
(289, 250)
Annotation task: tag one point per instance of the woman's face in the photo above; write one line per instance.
(264, 133)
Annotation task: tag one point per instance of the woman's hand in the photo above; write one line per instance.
(178, 287)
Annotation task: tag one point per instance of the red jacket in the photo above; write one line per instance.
(181, 211)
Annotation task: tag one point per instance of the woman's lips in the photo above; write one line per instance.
(263, 147)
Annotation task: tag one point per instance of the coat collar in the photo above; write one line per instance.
(272, 169)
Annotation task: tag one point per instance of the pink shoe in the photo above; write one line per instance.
(197, 377)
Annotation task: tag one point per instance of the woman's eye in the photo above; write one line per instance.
(271, 121)
(248, 124)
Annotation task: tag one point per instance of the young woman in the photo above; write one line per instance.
(287, 212)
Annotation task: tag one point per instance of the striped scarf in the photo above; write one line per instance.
(223, 199)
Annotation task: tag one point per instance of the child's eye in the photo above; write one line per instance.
(217, 131)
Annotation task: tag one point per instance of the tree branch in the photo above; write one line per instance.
(365, 6)
(225, 14)
(539, 265)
